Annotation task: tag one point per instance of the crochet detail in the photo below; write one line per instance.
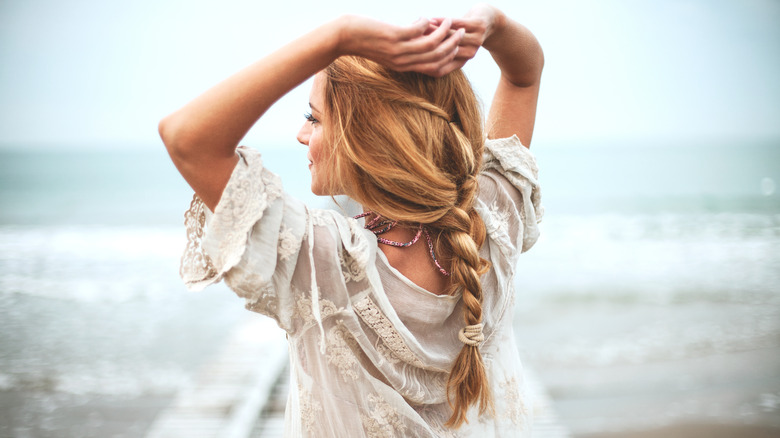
(370, 314)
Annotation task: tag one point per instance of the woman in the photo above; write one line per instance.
(399, 321)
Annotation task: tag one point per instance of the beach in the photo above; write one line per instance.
(658, 315)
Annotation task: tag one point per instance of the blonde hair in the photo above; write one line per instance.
(408, 147)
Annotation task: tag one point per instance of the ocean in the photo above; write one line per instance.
(652, 297)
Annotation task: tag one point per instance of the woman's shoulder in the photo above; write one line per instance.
(509, 196)
(511, 155)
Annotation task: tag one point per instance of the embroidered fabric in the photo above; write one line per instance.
(340, 351)
(518, 166)
(515, 410)
(369, 312)
(370, 351)
(382, 420)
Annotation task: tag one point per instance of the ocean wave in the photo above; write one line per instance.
(89, 264)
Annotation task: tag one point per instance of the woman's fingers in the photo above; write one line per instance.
(438, 62)
(475, 31)
(444, 50)
(470, 24)
(420, 27)
(427, 43)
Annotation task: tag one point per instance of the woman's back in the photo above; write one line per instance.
(414, 262)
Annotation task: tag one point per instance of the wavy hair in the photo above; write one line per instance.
(408, 147)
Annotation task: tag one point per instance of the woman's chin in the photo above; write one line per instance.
(318, 190)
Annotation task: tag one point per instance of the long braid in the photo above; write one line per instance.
(467, 383)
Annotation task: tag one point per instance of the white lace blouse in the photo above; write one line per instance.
(370, 351)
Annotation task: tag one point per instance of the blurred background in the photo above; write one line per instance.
(649, 307)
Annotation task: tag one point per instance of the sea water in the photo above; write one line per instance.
(653, 296)
(650, 254)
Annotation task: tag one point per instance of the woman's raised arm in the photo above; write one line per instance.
(520, 59)
(202, 136)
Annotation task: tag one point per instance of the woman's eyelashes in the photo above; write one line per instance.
(310, 118)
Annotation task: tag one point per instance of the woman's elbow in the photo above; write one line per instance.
(530, 75)
(535, 67)
(540, 58)
(171, 135)
(166, 130)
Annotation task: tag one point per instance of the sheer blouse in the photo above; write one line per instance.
(370, 351)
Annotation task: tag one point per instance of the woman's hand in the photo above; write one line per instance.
(423, 46)
(478, 24)
(520, 59)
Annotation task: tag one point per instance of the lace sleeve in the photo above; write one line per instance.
(251, 240)
(510, 198)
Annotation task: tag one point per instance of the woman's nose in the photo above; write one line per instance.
(304, 134)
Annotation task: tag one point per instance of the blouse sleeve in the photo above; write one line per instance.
(273, 251)
(509, 199)
(250, 240)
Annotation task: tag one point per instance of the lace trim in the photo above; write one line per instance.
(196, 266)
(370, 314)
(382, 420)
(387, 353)
(244, 200)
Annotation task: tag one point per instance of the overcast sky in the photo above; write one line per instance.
(102, 73)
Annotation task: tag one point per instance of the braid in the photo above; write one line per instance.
(464, 233)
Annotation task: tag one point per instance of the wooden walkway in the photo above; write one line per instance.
(227, 394)
(243, 393)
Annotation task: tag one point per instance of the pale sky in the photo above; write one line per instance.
(103, 73)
